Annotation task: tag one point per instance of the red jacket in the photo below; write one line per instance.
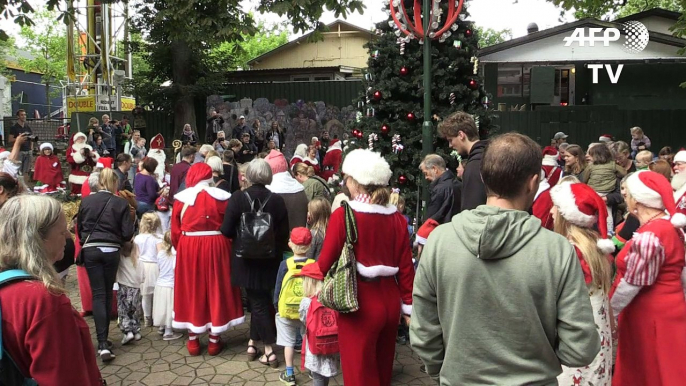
(46, 337)
(541, 209)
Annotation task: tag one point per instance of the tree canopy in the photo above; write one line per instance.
(489, 37)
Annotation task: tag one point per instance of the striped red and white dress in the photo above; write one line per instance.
(652, 327)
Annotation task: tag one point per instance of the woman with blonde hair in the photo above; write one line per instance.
(577, 209)
(39, 324)
(384, 268)
(575, 160)
(318, 214)
(314, 185)
(104, 225)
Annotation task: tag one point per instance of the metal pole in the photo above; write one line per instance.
(427, 127)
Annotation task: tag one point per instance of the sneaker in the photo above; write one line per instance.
(160, 330)
(148, 321)
(287, 379)
(173, 336)
(137, 336)
(105, 353)
(127, 338)
(298, 349)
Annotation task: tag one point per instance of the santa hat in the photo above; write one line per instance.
(654, 191)
(367, 167)
(425, 230)
(580, 205)
(157, 142)
(198, 179)
(300, 151)
(550, 156)
(197, 173)
(104, 162)
(277, 162)
(79, 135)
(680, 156)
(605, 138)
(46, 145)
(313, 271)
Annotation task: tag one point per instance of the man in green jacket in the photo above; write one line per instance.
(498, 299)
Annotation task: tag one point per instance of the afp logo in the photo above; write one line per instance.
(636, 38)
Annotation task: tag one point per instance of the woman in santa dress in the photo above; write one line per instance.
(204, 298)
(577, 210)
(82, 160)
(648, 292)
(384, 266)
(299, 155)
(311, 159)
(332, 160)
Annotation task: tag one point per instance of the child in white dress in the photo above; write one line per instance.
(163, 309)
(146, 242)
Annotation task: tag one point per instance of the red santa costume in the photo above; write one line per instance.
(332, 160)
(203, 267)
(81, 167)
(648, 292)
(543, 204)
(679, 185)
(48, 171)
(581, 206)
(299, 155)
(385, 275)
(550, 165)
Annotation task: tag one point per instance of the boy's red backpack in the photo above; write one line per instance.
(322, 329)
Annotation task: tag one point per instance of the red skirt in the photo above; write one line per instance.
(204, 298)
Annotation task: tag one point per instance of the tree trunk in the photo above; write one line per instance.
(182, 72)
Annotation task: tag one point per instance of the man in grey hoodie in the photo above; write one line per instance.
(498, 299)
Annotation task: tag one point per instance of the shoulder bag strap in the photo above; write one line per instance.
(98, 220)
(350, 224)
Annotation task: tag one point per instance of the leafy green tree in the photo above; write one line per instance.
(489, 37)
(636, 6)
(47, 44)
(600, 9)
(235, 55)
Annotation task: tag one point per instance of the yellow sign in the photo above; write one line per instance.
(127, 104)
(80, 104)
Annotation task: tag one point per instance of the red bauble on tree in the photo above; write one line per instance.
(468, 33)
(377, 95)
(385, 129)
(473, 84)
(404, 71)
(411, 117)
(359, 134)
(402, 180)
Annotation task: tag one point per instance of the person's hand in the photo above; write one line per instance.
(21, 139)
(82, 151)
(90, 131)
(604, 199)
(407, 319)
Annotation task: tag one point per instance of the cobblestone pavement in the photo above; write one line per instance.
(152, 361)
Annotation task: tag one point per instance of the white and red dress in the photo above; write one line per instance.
(599, 372)
(332, 161)
(204, 298)
(652, 327)
(48, 170)
(81, 167)
(385, 279)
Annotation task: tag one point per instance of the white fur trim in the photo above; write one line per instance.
(606, 245)
(188, 196)
(301, 151)
(312, 161)
(372, 208)
(78, 158)
(376, 271)
(678, 220)
(643, 194)
(4, 155)
(406, 309)
(542, 187)
(565, 201)
(284, 183)
(549, 160)
(78, 180)
(46, 145)
(335, 146)
(79, 135)
(203, 329)
(367, 167)
(420, 240)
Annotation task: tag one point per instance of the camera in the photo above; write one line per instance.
(86, 152)
(31, 137)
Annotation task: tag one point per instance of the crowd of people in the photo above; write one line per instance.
(577, 257)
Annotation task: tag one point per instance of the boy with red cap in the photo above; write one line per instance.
(288, 293)
(550, 165)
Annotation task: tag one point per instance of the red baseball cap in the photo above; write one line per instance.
(301, 236)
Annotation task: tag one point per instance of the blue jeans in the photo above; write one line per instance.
(144, 207)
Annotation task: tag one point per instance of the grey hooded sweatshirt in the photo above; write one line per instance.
(499, 300)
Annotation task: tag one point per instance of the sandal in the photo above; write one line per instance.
(253, 355)
(273, 364)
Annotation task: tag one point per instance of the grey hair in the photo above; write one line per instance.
(25, 221)
(433, 160)
(216, 164)
(204, 149)
(94, 180)
(259, 172)
(563, 146)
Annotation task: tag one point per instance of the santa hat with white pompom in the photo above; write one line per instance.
(580, 205)
(654, 191)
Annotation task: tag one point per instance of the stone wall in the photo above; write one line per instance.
(300, 120)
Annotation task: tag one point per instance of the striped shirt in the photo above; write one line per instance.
(644, 260)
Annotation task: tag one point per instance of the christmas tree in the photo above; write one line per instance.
(391, 108)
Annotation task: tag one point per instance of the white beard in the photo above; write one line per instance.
(159, 156)
(76, 147)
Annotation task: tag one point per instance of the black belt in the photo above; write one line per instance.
(369, 279)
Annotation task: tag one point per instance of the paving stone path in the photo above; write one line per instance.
(152, 361)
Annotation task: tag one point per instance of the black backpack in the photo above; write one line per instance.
(255, 235)
(10, 374)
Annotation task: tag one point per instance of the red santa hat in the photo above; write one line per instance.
(79, 135)
(680, 156)
(104, 162)
(654, 191)
(157, 142)
(277, 162)
(605, 138)
(197, 173)
(367, 167)
(580, 205)
(425, 230)
(550, 155)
